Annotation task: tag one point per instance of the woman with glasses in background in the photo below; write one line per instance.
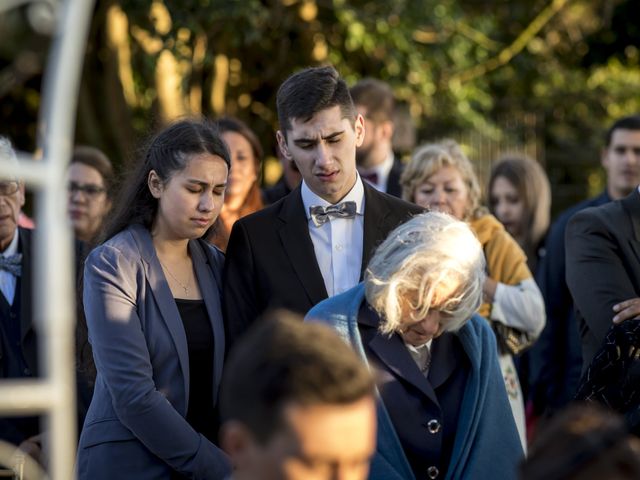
(90, 176)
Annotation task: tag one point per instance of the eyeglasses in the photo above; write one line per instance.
(8, 188)
(89, 189)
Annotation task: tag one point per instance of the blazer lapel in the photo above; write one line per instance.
(211, 295)
(164, 299)
(296, 241)
(376, 215)
(443, 359)
(394, 355)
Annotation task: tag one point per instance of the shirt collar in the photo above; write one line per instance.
(356, 194)
(12, 249)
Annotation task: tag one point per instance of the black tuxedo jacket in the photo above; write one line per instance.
(603, 266)
(271, 262)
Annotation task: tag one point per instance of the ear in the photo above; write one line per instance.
(282, 143)
(604, 158)
(386, 129)
(236, 440)
(359, 129)
(21, 194)
(154, 183)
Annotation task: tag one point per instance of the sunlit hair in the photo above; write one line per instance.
(7, 153)
(531, 182)
(430, 253)
(432, 157)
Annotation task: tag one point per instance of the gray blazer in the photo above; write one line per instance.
(135, 427)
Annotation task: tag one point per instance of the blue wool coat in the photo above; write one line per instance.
(486, 442)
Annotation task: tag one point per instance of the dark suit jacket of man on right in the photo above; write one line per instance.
(271, 261)
(603, 266)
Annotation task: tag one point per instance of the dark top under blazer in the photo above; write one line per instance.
(136, 426)
(603, 266)
(271, 261)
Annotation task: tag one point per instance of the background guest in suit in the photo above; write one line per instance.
(441, 177)
(90, 177)
(556, 358)
(151, 298)
(376, 161)
(317, 241)
(243, 194)
(603, 267)
(297, 404)
(444, 411)
(18, 340)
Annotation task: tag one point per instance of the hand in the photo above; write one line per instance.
(33, 447)
(489, 290)
(626, 310)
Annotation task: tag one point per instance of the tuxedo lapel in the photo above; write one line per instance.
(376, 224)
(163, 297)
(296, 241)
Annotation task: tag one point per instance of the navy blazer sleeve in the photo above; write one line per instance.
(112, 284)
(596, 275)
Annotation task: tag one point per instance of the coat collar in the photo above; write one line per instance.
(394, 354)
(376, 223)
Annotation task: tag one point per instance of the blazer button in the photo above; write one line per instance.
(434, 427)
(433, 472)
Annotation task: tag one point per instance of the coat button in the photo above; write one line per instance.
(26, 372)
(433, 472)
(433, 426)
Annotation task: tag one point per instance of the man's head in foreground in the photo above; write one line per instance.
(297, 403)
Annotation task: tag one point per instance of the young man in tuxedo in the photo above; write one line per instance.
(317, 241)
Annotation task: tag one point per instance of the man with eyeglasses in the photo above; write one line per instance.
(18, 347)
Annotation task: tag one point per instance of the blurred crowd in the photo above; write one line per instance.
(450, 330)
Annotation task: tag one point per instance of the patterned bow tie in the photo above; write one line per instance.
(320, 215)
(12, 264)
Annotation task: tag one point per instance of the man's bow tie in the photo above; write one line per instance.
(12, 264)
(320, 215)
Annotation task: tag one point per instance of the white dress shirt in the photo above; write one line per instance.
(421, 355)
(338, 242)
(382, 171)
(7, 280)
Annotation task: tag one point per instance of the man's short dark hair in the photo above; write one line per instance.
(377, 96)
(632, 122)
(283, 361)
(309, 91)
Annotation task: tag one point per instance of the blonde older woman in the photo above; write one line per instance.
(441, 177)
(442, 410)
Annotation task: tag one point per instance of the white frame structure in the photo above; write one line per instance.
(53, 393)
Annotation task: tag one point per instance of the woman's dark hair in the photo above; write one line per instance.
(167, 153)
(232, 124)
(94, 158)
